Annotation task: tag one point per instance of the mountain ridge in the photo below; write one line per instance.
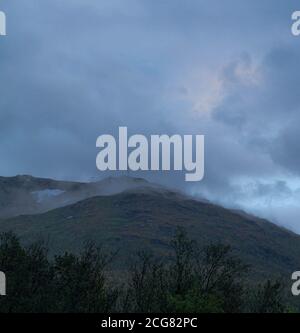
(25, 194)
(147, 218)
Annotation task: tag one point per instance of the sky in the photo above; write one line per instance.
(228, 69)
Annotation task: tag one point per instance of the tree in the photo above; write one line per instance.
(221, 274)
(29, 276)
(199, 281)
(182, 271)
(148, 288)
(268, 298)
(80, 283)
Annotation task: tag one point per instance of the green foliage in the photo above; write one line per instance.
(29, 276)
(207, 280)
(148, 286)
(222, 275)
(210, 280)
(268, 298)
(195, 302)
(67, 284)
(182, 271)
(80, 284)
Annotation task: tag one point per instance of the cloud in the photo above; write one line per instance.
(258, 138)
(229, 70)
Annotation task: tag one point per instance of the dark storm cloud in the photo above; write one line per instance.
(72, 70)
(266, 113)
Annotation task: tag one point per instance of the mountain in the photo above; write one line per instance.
(25, 194)
(146, 216)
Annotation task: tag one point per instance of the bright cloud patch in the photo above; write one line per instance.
(43, 195)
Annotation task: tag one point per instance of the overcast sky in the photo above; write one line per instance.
(72, 70)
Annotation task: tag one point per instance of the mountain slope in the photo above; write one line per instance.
(148, 218)
(24, 194)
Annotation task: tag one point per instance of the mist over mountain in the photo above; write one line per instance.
(229, 79)
(131, 214)
(24, 194)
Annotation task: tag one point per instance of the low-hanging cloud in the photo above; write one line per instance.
(71, 71)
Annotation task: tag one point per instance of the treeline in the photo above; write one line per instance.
(206, 280)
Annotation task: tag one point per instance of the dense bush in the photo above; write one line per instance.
(204, 280)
